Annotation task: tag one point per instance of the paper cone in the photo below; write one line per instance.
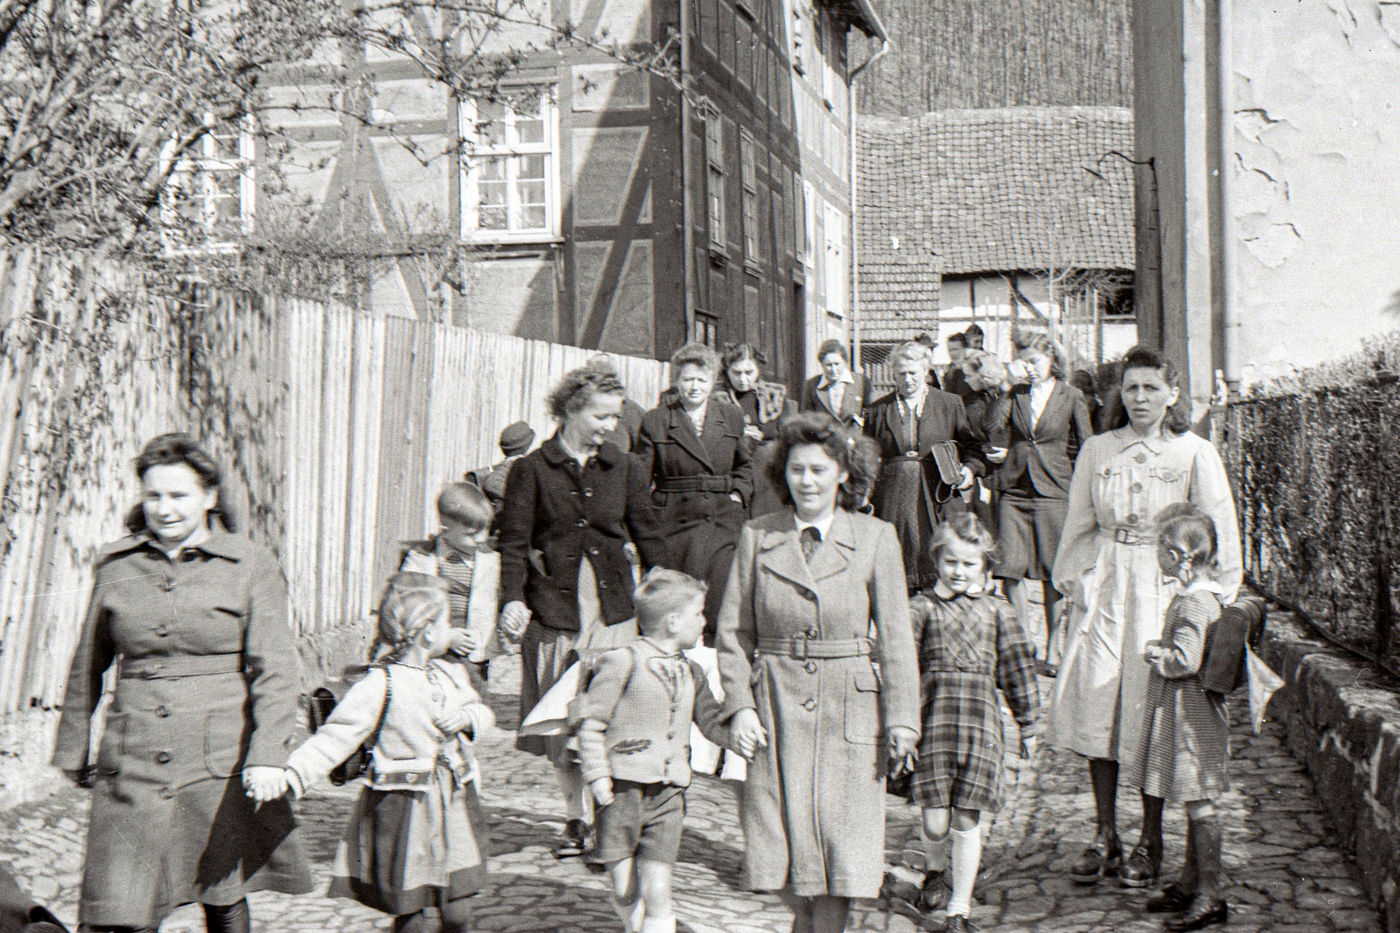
(1262, 684)
(551, 714)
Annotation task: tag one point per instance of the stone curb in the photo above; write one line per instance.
(1342, 721)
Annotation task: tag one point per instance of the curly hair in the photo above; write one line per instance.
(743, 351)
(1178, 418)
(1040, 342)
(177, 447)
(854, 453)
(695, 354)
(913, 352)
(969, 530)
(830, 346)
(578, 387)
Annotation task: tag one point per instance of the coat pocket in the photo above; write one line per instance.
(863, 708)
(224, 744)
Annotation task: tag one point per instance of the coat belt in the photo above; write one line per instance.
(184, 666)
(1129, 536)
(694, 484)
(801, 647)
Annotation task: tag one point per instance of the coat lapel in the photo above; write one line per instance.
(1054, 406)
(1023, 411)
(782, 554)
(683, 433)
(833, 555)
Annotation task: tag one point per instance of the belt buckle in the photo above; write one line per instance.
(911, 453)
(1122, 536)
(151, 672)
(799, 647)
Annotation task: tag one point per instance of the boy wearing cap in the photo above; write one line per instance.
(515, 443)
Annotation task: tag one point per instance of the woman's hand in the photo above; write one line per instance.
(514, 617)
(968, 480)
(904, 744)
(264, 784)
(753, 432)
(602, 791)
(736, 497)
(995, 454)
(748, 733)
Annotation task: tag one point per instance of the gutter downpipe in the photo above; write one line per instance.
(1229, 314)
(687, 235)
(851, 168)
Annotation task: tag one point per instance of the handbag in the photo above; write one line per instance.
(323, 702)
(949, 467)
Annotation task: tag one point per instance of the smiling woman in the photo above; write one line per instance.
(205, 704)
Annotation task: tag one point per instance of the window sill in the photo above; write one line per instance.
(524, 241)
(718, 255)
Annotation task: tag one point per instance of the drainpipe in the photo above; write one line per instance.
(851, 168)
(687, 235)
(1229, 313)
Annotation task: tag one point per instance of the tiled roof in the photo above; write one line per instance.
(898, 294)
(996, 190)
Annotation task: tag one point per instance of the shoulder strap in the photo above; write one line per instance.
(383, 710)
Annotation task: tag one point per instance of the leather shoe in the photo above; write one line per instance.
(960, 923)
(1202, 912)
(575, 840)
(1104, 857)
(1172, 899)
(1141, 869)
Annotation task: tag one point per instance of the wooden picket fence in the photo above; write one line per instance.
(339, 426)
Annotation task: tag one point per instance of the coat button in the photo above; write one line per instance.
(810, 705)
(166, 792)
(593, 552)
(1133, 518)
(811, 667)
(1135, 488)
(162, 712)
(582, 523)
(162, 631)
(1141, 458)
(168, 585)
(602, 584)
(812, 633)
(152, 672)
(588, 493)
(162, 758)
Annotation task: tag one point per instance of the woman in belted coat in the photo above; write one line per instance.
(812, 586)
(694, 449)
(908, 493)
(1107, 564)
(195, 618)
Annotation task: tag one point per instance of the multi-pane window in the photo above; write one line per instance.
(748, 178)
(510, 184)
(714, 177)
(744, 50)
(208, 199)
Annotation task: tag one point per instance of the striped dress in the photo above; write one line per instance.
(1185, 733)
(970, 646)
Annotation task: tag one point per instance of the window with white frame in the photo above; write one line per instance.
(748, 179)
(510, 167)
(714, 177)
(810, 206)
(834, 265)
(210, 189)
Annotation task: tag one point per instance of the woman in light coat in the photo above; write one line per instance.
(1107, 564)
(810, 587)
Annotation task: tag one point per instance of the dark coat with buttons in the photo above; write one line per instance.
(171, 823)
(814, 799)
(557, 513)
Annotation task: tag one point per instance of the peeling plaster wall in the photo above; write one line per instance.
(1314, 194)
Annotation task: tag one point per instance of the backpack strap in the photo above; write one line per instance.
(373, 740)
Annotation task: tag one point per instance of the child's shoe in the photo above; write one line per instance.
(575, 839)
(1202, 912)
(1172, 899)
(960, 923)
(925, 904)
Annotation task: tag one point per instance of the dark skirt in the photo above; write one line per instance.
(1028, 534)
(407, 850)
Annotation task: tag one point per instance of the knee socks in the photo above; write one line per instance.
(232, 918)
(967, 856)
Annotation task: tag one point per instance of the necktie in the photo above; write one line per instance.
(809, 538)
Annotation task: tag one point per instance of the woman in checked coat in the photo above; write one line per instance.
(811, 586)
(194, 617)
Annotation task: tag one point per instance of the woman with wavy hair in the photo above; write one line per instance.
(1107, 564)
(763, 404)
(811, 586)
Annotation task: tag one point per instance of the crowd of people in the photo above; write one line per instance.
(841, 557)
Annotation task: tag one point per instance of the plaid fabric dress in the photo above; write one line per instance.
(970, 646)
(1185, 732)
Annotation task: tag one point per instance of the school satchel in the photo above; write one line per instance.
(323, 702)
(949, 467)
(1240, 624)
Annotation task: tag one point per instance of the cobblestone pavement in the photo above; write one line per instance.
(1287, 878)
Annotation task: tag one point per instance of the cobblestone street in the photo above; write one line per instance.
(1286, 876)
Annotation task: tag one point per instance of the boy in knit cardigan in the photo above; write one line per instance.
(634, 723)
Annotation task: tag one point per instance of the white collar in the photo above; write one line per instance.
(846, 378)
(1204, 585)
(942, 592)
(1043, 388)
(823, 525)
(915, 404)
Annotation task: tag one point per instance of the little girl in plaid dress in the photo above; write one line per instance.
(1185, 733)
(971, 644)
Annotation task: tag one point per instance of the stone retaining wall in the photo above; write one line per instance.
(1342, 720)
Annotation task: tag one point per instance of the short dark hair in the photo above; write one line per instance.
(974, 336)
(661, 593)
(177, 447)
(743, 351)
(579, 386)
(855, 453)
(959, 339)
(1177, 419)
(831, 346)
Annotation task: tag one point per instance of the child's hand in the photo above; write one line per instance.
(602, 791)
(453, 721)
(747, 733)
(463, 642)
(264, 784)
(904, 744)
(1152, 651)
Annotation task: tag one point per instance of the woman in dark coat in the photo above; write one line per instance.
(694, 449)
(206, 698)
(763, 405)
(566, 585)
(812, 585)
(1046, 422)
(908, 492)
